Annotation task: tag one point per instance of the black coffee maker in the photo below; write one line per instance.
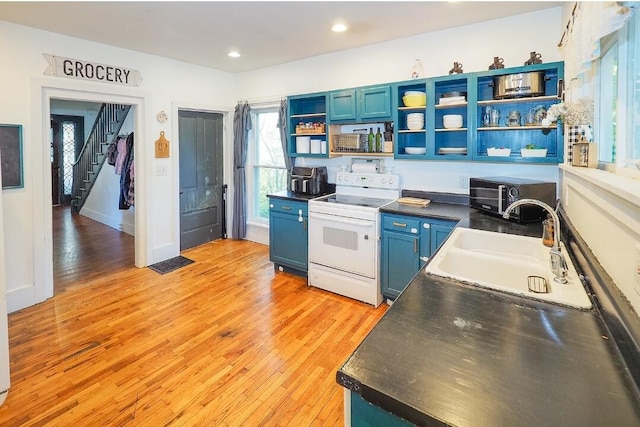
(308, 180)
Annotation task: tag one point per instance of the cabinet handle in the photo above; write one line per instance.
(304, 224)
(399, 224)
(286, 208)
(425, 225)
(415, 246)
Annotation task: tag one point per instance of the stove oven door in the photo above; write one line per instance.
(347, 244)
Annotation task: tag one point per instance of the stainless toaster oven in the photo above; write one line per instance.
(494, 194)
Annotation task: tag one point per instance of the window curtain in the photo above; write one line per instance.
(241, 127)
(589, 23)
(284, 133)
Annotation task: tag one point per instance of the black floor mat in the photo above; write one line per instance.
(171, 264)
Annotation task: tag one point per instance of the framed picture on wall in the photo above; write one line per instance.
(11, 156)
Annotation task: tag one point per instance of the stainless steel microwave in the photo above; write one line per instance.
(494, 194)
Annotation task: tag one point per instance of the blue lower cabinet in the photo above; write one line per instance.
(439, 233)
(288, 235)
(400, 261)
(407, 244)
(365, 414)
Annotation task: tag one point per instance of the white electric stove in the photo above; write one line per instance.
(344, 235)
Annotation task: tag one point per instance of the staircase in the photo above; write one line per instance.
(93, 155)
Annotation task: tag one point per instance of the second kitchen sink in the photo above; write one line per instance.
(508, 263)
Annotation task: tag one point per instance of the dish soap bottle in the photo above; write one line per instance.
(417, 71)
(378, 141)
(370, 141)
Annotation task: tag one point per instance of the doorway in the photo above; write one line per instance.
(98, 240)
(201, 178)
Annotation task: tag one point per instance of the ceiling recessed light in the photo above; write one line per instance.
(234, 54)
(339, 28)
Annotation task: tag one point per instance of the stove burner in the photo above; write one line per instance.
(343, 199)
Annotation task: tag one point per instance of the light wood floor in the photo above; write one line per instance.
(224, 341)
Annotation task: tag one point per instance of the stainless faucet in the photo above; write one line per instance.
(558, 263)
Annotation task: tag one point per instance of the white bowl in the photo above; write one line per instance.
(452, 125)
(415, 126)
(415, 116)
(452, 117)
(415, 150)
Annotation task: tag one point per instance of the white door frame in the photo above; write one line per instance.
(42, 91)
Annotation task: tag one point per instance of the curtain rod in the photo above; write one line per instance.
(571, 18)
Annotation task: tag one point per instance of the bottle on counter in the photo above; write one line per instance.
(371, 141)
(379, 141)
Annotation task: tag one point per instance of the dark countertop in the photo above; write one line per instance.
(454, 354)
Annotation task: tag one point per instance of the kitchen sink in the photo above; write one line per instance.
(509, 263)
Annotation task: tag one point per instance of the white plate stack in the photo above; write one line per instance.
(415, 121)
(451, 100)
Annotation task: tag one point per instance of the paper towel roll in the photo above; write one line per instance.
(364, 167)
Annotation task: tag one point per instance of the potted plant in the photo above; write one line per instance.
(532, 150)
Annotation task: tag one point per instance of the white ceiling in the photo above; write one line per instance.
(266, 33)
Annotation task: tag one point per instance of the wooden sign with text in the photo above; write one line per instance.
(92, 71)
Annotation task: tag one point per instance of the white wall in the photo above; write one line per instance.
(166, 84)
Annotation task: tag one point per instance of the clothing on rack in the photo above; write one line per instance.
(127, 176)
(121, 153)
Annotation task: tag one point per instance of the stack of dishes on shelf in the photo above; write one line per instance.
(415, 121)
(447, 150)
(450, 98)
(452, 121)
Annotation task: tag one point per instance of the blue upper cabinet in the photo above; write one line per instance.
(307, 120)
(510, 129)
(342, 105)
(366, 104)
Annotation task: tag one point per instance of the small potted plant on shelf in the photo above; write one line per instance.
(532, 150)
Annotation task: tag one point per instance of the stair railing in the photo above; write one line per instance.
(105, 129)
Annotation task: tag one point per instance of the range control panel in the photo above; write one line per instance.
(369, 180)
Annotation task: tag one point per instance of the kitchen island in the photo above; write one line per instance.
(449, 353)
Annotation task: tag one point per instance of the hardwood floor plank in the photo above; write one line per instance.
(225, 341)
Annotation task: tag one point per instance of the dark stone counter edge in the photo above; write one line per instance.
(610, 307)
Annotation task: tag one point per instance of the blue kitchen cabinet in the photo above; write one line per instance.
(439, 233)
(365, 414)
(365, 104)
(407, 244)
(519, 136)
(307, 118)
(404, 137)
(288, 235)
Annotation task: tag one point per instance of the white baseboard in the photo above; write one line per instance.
(114, 223)
(20, 298)
(258, 233)
(164, 252)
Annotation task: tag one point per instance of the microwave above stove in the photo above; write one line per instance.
(494, 194)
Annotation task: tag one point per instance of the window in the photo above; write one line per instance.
(265, 163)
(617, 78)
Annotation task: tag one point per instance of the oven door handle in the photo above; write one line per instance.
(340, 219)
